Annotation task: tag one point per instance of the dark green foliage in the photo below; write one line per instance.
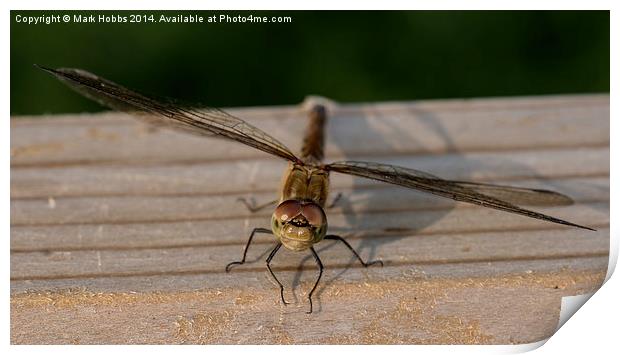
(345, 55)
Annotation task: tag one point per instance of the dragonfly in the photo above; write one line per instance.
(299, 221)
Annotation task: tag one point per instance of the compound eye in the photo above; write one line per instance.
(314, 214)
(287, 210)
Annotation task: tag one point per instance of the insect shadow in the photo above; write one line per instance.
(372, 201)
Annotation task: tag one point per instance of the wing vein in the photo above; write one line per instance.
(164, 112)
(468, 192)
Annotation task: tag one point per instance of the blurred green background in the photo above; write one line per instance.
(349, 56)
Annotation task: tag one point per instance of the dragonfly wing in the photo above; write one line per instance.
(164, 112)
(485, 195)
(518, 195)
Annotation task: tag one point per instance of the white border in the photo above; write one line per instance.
(594, 328)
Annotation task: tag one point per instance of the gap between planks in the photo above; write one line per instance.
(170, 220)
(353, 236)
(363, 184)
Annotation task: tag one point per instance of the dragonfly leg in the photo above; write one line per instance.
(247, 246)
(318, 261)
(337, 237)
(268, 261)
(252, 207)
(335, 200)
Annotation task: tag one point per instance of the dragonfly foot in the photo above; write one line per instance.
(234, 263)
(320, 265)
(282, 296)
(310, 311)
(373, 263)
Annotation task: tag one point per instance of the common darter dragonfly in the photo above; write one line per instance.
(299, 221)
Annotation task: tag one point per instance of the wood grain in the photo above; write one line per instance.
(120, 232)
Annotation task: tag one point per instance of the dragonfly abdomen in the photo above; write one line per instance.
(314, 140)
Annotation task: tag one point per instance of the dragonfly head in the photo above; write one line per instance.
(299, 224)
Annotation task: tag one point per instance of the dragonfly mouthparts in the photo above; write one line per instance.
(300, 221)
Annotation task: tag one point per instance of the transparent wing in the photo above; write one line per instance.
(518, 195)
(203, 121)
(487, 195)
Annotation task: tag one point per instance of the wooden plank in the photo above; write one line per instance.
(264, 175)
(128, 209)
(120, 233)
(405, 128)
(400, 250)
(412, 310)
(209, 225)
(255, 276)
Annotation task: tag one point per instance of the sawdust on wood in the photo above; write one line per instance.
(402, 311)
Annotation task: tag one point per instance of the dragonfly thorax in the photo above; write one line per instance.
(305, 182)
(299, 224)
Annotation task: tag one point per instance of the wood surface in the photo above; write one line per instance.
(120, 232)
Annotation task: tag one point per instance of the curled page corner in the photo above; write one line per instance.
(613, 257)
(523, 348)
(570, 305)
